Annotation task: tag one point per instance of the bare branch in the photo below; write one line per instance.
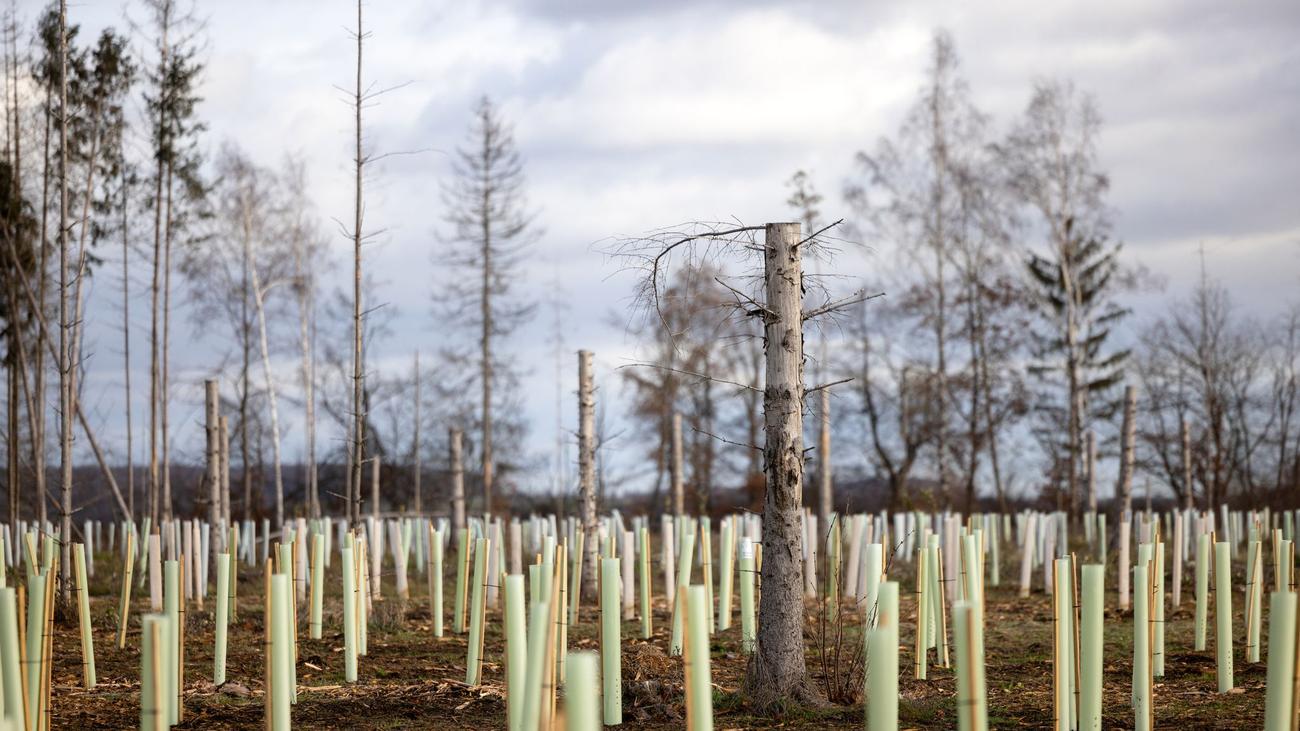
(691, 373)
(856, 297)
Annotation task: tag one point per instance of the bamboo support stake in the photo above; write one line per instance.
(474, 661)
(124, 605)
(83, 617)
(921, 650)
(317, 585)
(462, 569)
(647, 618)
(1254, 601)
(1202, 589)
(561, 613)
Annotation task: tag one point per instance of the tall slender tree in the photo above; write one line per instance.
(490, 234)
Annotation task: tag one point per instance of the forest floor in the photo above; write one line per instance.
(410, 679)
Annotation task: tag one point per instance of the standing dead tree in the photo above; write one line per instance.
(490, 233)
(587, 469)
(777, 674)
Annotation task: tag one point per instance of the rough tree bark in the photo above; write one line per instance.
(777, 673)
(587, 470)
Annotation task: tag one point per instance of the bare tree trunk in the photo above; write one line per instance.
(223, 443)
(415, 439)
(485, 343)
(777, 672)
(164, 392)
(826, 497)
(374, 488)
(65, 321)
(457, 480)
(272, 410)
(246, 335)
(1127, 448)
(1186, 434)
(306, 306)
(587, 469)
(43, 337)
(358, 420)
(679, 497)
(1090, 468)
(126, 347)
(212, 476)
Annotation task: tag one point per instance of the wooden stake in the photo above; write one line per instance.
(123, 617)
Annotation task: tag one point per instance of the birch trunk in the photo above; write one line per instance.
(587, 471)
(777, 673)
(259, 309)
(306, 294)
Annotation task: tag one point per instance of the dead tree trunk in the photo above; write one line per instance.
(457, 480)
(777, 673)
(375, 465)
(1129, 438)
(679, 499)
(65, 323)
(826, 497)
(1090, 469)
(415, 439)
(358, 420)
(212, 476)
(587, 470)
(223, 443)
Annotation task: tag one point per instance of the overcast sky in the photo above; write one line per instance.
(633, 115)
